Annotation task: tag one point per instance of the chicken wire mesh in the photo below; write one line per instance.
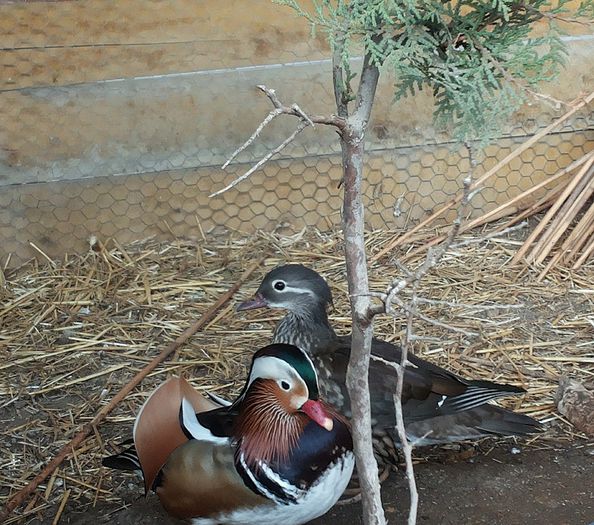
(116, 123)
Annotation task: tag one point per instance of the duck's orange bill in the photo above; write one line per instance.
(316, 412)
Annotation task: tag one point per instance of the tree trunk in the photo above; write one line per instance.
(356, 263)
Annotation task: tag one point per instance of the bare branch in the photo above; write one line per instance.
(279, 109)
(406, 445)
(366, 92)
(341, 78)
(434, 255)
(263, 160)
(357, 376)
(271, 94)
(391, 364)
(302, 115)
(413, 279)
(295, 111)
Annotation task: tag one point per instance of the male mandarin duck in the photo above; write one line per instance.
(277, 455)
(438, 406)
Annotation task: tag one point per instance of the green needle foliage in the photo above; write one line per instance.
(478, 58)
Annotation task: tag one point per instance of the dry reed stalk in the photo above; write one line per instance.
(575, 182)
(507, 209)
(586, 253)
(536, 208)
(58, 515)
(574, 242)
(567, 214)
(579, 235)
(402, 239)
(87, 429)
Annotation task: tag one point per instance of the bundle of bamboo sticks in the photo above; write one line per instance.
(570, 204)
(567, 196)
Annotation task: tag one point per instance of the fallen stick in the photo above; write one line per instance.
(87, 429)
(515, 153)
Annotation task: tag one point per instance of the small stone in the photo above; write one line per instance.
(576, 403)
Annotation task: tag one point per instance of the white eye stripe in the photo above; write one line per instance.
(269, 367)
(294, 289)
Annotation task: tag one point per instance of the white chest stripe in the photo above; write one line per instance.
(284, 485)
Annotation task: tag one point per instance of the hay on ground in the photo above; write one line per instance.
(72, 332)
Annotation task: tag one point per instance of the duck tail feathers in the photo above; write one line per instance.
(503, 422)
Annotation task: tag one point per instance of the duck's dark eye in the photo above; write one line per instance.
(279, 285)
(285, 385)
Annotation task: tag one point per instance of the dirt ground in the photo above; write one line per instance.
(505, 484)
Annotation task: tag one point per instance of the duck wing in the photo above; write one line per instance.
(200, 479)
(483, 421)
(164, 404)
(429, 391)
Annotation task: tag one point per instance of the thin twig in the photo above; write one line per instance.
(302, 125)
(270, 117)
(413, 279)
(406, 445)
(395, 366)
(434, 255)
(408, 308)
(295, 111)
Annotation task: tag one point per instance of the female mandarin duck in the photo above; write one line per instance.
(277, 455)
(438, 406)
